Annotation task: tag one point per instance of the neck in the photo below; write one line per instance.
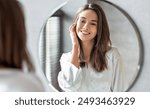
(87, 48)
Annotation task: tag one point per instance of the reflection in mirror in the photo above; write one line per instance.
(55, 40)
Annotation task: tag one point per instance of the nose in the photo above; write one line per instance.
(86, 26)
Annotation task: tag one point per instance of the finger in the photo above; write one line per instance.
(75, 22)
(72, 27)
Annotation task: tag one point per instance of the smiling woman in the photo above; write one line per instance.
(90, 64)
(93, 65)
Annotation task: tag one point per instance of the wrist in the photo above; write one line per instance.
(75, 46)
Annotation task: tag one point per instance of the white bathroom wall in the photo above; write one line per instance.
(139, 10)
(37, 11)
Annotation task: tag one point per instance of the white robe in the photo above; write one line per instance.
(87, 79)
(15, 80)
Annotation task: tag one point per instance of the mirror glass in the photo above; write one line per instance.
(55, 39)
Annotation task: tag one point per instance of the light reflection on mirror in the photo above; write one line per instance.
(55, 40)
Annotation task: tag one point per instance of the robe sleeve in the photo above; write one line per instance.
(119, 83)
(69, 78)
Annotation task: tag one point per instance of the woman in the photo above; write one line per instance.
(14, 57)
(93, 64)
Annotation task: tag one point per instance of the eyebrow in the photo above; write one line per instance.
(86, 18)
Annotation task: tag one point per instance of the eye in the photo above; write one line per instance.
(94, 24)
(82, 21)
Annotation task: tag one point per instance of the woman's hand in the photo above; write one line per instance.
(75, 46)
(73, 35)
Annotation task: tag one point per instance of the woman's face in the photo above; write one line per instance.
(86, 27)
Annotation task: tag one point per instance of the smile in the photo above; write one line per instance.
(85, 32)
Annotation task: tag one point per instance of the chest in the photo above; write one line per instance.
(97, 81)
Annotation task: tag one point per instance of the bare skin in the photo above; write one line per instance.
(75, 46)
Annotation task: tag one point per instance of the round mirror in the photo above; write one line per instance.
(55, 39)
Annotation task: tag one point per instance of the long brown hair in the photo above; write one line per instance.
(102, 39)
(13, 50)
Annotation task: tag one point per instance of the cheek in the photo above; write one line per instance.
(94, 31)
(78, 26)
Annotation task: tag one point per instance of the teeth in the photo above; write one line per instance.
(84, 32)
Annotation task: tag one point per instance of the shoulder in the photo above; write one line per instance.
(113, 53)
(66, 56)
(21, 80)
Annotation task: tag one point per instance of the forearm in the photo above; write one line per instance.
(75, 56)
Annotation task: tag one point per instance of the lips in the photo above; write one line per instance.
(84, 32)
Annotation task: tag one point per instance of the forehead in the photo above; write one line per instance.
(88, 14)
